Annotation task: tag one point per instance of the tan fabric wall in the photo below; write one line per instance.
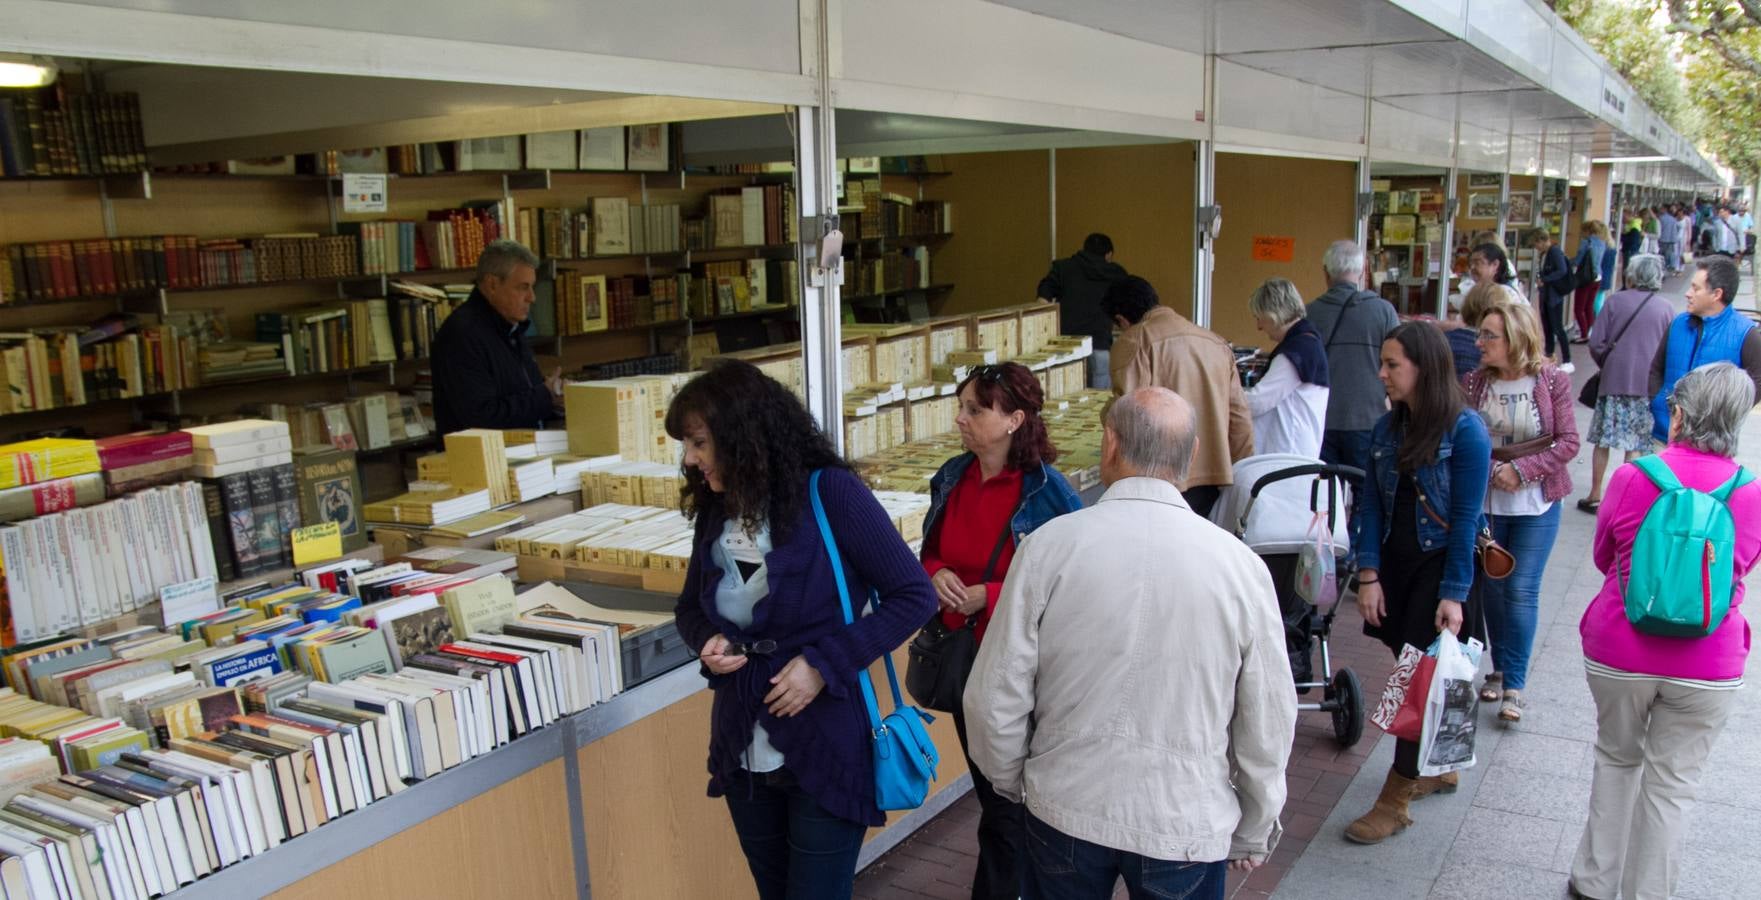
(1311, 201)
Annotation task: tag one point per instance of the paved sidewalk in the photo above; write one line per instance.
(1512, 829)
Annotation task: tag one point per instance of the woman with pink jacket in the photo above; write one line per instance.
(1661, 701)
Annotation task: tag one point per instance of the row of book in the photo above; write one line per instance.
(47, 368)
(366, 422)
(62, 130)
(892, 271)
(417, 311)
(448, 239)
(886, 215)
(66, 270)
(331, 337)
(636, 148)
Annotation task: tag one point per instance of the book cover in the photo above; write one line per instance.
(287, 507)
(421, 632)
(482, 605)
(241, 522)
(266, 520)
(252, 666)
(355, 656)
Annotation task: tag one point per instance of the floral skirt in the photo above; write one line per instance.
(1621, 423)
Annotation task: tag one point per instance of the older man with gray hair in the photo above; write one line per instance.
(1133, 688)
(485, 375)
(1352, 323)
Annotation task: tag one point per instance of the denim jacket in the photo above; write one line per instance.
(1454, 486)
(1045, 495)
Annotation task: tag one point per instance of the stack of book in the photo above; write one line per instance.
(429, 507)
(549, 441)
(607, 533)
(624, 417)
(476, 460)
(250, 492)
(145, 459)
(85, 565)
(527, 480)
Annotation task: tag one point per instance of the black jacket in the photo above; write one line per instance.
(1078, 283)
(485, 375)
(1556, 273)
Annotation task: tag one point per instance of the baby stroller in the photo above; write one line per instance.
(1270, 507)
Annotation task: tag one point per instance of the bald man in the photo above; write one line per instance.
(1133, 688)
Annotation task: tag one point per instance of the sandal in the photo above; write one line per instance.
(1589, 506)
(1490, 692)
(1511, 710)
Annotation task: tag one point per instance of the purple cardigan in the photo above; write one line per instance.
(1626, 366)
(1559, 419)
(827, 744)
(1608, 637)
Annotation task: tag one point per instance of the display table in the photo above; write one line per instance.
(608, 803)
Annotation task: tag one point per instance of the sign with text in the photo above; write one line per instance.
(316, 543)
(1272, 248)
(363, 193)
(189, 600)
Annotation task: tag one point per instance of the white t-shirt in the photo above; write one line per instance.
(1289, 415)
(746, 581)
(1511, 418)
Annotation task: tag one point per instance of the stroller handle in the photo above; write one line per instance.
(1328, 469)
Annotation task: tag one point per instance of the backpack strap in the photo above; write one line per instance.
(1741, 477)
(1659, 472)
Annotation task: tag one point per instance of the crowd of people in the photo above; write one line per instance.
(1086, 620)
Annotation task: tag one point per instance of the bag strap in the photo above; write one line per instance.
(1659, 472)
(1629, 319)
(1739, 478)
(831, 549)
(1341, 320)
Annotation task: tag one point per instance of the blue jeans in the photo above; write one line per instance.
(1100, 372)
(1512, 603)
(1062, 867)
(796, 850)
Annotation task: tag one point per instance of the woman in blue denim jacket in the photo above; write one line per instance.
(1417, 519)
(982, 503)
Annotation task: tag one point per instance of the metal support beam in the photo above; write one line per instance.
(1204, 192)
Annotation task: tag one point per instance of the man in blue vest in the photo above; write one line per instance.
(1710, 331)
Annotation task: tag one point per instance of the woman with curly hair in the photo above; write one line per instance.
(789, 745)
(982, 503)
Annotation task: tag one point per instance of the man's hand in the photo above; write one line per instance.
(796, 686)
(555, 382)
(1246, 863)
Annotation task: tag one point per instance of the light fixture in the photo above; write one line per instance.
(1631, 159)
(22, 70)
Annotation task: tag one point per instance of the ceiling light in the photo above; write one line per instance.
(1631, 159)
(19, 70)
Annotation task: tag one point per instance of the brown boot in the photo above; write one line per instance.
(1388, 816)
(1427, 785)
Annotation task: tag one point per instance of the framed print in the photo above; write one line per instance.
(1484, 179)
(647, 148)
(1482, 206)
(1522, 208)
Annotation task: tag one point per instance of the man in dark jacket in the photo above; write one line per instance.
(485, 375)
(1557, 282)
(1078, 283)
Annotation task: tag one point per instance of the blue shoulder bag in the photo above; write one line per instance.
(904, 757)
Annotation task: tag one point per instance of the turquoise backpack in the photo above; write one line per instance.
(1683, 560)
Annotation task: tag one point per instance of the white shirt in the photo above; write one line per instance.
(1133, 686)
(1511, 418)
(1467, 284)
(1289, 414)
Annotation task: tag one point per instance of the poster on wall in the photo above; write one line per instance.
(1482, 206)
(1522, 208)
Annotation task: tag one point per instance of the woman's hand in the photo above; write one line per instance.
(1246, 863)
(713, 657)
(975, 598)
(1369, 600)
(1449, 616)
(796, 686)
(950, 592)
(1505, 478)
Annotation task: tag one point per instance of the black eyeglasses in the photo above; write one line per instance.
(994, 374)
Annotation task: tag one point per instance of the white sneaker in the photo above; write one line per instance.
(1567, 368)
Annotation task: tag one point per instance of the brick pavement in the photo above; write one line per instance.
(938, 860)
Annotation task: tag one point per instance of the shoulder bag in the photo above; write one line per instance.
(941, 657)
(1334, 331)
(1592, 390)
(905, 758)
(1495, 561)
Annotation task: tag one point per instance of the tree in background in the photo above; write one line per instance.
(1662, 47)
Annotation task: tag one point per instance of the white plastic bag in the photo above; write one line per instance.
(1316, 576)
(1447, 744)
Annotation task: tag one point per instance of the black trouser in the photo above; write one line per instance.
(1002, 835)
(1553, 324)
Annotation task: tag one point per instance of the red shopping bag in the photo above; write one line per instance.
(1401, 711)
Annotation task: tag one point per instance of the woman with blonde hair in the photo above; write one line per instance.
(1527, 405)
(1288, 405)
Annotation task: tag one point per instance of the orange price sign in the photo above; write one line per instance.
(1272, 248)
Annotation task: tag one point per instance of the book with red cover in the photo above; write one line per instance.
(140, 448)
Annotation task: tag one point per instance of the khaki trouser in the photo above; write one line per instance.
(1652, 740)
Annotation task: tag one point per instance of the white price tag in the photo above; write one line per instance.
(363, 193)
(189, 600)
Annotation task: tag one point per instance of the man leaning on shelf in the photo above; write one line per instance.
(485, 375)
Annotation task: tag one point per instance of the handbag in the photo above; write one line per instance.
(905, 758)
(1592, 390)
(940, 658)
(1408, 685)
(1495, 561)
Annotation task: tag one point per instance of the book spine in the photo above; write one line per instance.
(241, 517)
(219, 531)
(267, 517)
(287, 504)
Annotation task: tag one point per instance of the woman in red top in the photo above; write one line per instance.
(982, 503)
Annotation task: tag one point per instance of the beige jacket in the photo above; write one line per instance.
(1133, 687)
(1165, 348)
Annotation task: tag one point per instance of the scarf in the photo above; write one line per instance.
(1302, 346)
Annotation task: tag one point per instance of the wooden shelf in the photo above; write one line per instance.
(928, 289)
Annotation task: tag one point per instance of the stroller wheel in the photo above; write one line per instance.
(1348, 708)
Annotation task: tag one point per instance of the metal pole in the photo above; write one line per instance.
(1204, 173)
